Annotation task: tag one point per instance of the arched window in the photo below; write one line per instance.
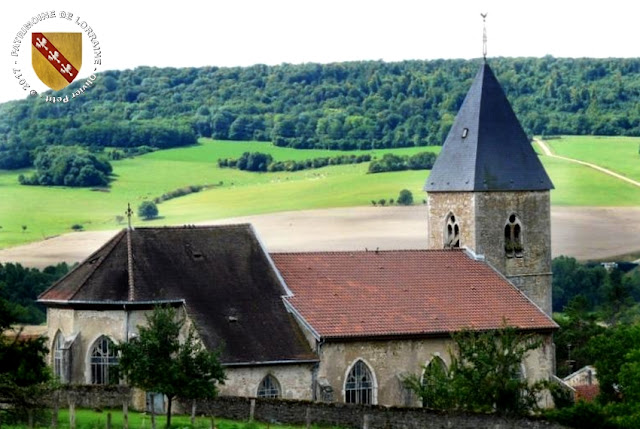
(451, 232)
(513, 237)
(103, 357)
(358, 387)
(433, 383)
(269, 387)
(58, 345)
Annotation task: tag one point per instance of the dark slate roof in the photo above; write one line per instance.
(495, 155)
(222, 273)
(403, 293)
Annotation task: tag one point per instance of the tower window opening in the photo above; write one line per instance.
(513, 237)
(452, 233)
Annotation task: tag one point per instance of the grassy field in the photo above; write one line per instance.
(49, 211)
(577, 185)
(89, 419)
(619, 154)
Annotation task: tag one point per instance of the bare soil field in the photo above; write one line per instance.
(584, 233)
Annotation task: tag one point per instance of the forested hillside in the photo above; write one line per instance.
(342, 105)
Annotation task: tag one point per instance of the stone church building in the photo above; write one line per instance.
(337, 326)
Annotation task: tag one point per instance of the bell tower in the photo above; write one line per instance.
(489, 192)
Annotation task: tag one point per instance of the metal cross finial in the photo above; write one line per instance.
(484, 36)
(129, 212)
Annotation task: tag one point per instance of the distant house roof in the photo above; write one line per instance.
(221, 273)
(410, 292)
(487, 149)
(25, 332)
(587, 392)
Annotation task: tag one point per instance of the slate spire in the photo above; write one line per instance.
(487, 149)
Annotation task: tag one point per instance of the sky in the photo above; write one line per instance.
(244, 32)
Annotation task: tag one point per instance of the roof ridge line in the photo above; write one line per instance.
(192, 226)
(130, 280)
(366, 251)
(114, 242)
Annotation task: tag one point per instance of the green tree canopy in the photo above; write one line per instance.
(23, 370)
(147, 210)
(484, 374)
(405, 198)
(158, 361)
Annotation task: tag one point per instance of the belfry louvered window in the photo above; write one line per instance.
(451, 232)
(513, 237)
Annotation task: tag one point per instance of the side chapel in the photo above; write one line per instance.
(337, 326)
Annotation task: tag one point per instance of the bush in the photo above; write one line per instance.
(68, 166)
(405, 198)
(147, 210)
(587, 415)
(391, 162)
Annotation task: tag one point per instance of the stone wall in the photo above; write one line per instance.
(391, 361)
(90, 396)
(81, 329)
(531, 272)
(359, 416)
(295, 380)
(462, 205)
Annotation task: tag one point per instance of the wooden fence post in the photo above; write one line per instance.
(72, 414)
(308, 417)
(252, 409)
(54, 413)
(109, 420)
(125, 414)
(366, 421)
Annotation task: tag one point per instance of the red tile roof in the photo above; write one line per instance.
(587, 392)
(410, 292)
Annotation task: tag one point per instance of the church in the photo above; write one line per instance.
(337, 326)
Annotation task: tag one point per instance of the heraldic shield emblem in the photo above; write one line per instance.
(56, 57)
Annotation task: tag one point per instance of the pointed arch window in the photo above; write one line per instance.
(358, 387)
(269, 387)
(58, 356)
(451, 232)
(433, 383)
(103, 359)
(513, 237)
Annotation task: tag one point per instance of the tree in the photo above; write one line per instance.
(157, 361)
(147, 210)
(405, 198)
(484, 375)
(611, 350)
(199, 367)
(24, 375)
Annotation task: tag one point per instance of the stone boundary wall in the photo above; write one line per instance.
(360, 416)
(90, 396)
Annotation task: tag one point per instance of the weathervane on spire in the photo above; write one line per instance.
(129, 212)
(484, 36)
